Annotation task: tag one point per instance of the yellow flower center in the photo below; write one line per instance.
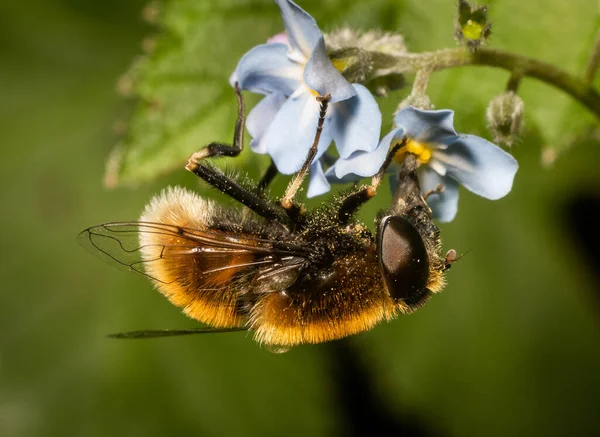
(472, 30)
(421, 150)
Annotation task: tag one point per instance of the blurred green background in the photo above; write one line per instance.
(511, 347)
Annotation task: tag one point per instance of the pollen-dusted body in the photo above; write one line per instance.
(320, 284)
(335, 291)
(289, 275)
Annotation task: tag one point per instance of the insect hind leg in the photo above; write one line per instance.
(296, 183)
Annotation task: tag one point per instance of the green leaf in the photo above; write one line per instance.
(510, 347)
(183, 98)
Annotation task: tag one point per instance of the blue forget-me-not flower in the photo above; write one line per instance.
(447, 159)
(291, 76)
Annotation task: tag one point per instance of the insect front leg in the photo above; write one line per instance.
(356, 200)
(438, 189)
(215, 177)
(268, 177)
(221, 149)
(296, 183)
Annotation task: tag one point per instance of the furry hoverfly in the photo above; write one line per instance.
(289, 275)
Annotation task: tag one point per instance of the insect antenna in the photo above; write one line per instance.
(451, 257)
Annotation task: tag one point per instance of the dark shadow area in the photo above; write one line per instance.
(582, 217)
(363, 411)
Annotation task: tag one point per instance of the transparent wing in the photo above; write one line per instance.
(119, 244)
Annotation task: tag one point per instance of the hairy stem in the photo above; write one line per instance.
(528, 67)
(593, 61)
(514, 81)
(421, 81)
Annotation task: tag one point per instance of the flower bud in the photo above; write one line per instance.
(472, 25)
(382, 85)
(505, 117)
(371, 41)
(364, 57)
(151, 12)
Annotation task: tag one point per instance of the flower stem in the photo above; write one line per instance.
(593, 61)
(514, 81)
(421, 81)
(528, 67)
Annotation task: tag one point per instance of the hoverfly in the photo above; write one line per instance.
(289, 275)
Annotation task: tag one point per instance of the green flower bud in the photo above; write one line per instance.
(382, 85)
(367, 57)
(151, 12)
(472, 25)
(355, 64)
(505, 117)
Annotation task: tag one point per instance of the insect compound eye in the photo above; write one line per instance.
(403, 258)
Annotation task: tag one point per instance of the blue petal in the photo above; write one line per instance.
(443, 205)
(260, 118)
(321, 76)
(482, 167)
(266, 68)
(367, 163)
(433, 127)
(303, 32)
(331, 177)
(317, 183)
(356, 123)
(292, 133)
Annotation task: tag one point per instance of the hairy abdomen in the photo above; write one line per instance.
(204, 285)
(347, 298)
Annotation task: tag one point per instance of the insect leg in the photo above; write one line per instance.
(354, 201)
(268, 176)
(231, 187)
(438, 189)
(296, 183)
(171, 332)
(220, 149)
